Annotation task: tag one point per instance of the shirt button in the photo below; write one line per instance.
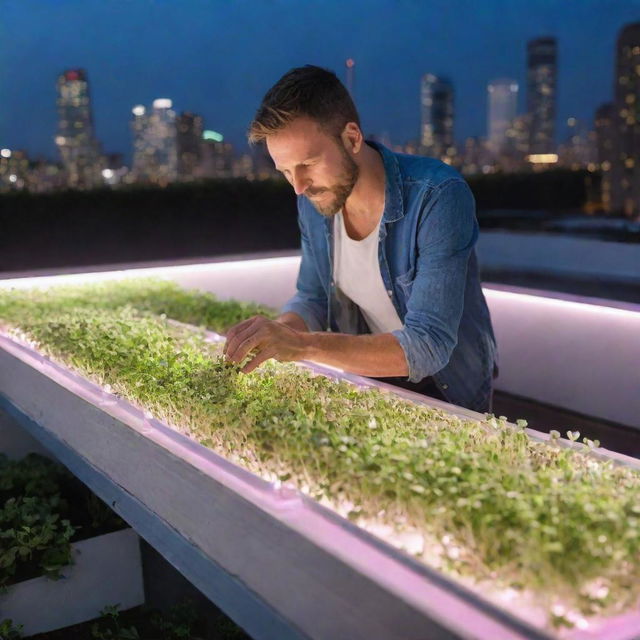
(445, 386)
(389, 292)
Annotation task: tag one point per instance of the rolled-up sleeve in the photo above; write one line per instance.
(446, 233)
(310, 301)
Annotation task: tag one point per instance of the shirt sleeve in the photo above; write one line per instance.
(310, 301)
(446, 234)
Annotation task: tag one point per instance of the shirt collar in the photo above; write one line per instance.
(393, 204)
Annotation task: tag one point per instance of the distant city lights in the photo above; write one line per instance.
(162, 103)
(212, 135)
(169, 146)
(543, 158)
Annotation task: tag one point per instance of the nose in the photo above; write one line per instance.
(299, 181)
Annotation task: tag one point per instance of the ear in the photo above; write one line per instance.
(352, 137)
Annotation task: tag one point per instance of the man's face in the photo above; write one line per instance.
(317, 165)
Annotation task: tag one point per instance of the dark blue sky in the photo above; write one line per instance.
(218, 57)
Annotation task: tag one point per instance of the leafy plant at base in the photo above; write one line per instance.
(9, 631)
(32, 533)
(109, 627)
(36, 527)
(178, 622)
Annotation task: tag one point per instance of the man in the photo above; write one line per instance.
(388, 284)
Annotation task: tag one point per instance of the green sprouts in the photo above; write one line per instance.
(484, 499)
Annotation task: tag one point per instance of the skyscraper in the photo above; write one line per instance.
(605, 134)
(14, 169)
(79, 149)
(625, 169)
(541, 94)
(503, 102)
(155, 157)
(578, 151)
(436, 102)
(217, 156)
(189, 129)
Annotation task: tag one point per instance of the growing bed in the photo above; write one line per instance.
(381, 514)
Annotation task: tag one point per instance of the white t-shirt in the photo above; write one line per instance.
(356, 272)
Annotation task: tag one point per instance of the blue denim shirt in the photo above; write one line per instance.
(429, 268)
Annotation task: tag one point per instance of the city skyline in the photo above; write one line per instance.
(246, 81)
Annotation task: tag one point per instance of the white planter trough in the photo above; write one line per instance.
(278, 563)
(275, 561)
(107, 570)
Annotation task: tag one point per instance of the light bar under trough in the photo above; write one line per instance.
(278, 563)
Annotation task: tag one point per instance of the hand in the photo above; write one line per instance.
(268, 338)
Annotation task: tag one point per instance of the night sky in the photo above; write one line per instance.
(218, 57)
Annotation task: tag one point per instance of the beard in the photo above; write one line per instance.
(340, 191)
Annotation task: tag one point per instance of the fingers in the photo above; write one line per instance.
(238, 352)
(261, 357)
(269, 339)
(237, 334)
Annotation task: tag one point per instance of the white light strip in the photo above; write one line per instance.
(586, 307)
(133, 272)
(258, 263)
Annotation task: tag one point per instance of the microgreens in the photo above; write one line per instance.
(504, 507)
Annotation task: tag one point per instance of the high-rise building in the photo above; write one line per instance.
(516, 150)
(14, 169)
(155, 156)
(503, 103)
(625, 169)
(243, 167)
(578, 151)
(475, 156)
(45, 176)
(263, 166)
(436, 103)
(79, 149)
(189, 129)
(217, 156)
(605, 134)
(541, 94)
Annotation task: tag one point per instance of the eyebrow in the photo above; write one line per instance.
(299, 163)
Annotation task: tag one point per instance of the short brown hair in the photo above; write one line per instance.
(308, 91)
